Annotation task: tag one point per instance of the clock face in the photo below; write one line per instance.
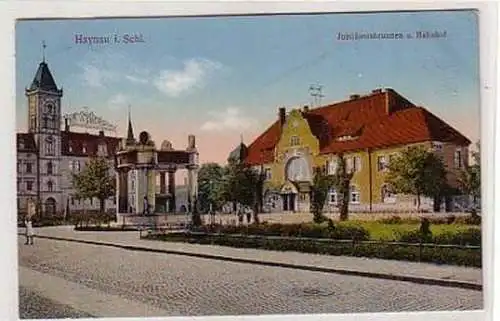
(295, 124)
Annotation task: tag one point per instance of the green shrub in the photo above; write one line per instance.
(391, 220)
(466, 257)
(415, 236)
(357, 233)
(471, 236)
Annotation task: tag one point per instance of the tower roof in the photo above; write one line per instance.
(130, 130)
(43, 79)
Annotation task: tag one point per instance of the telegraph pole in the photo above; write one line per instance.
(316, 92)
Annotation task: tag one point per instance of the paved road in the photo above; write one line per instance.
(193, 286)
(32, 305)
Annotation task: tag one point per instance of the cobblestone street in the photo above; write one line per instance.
(184, 285)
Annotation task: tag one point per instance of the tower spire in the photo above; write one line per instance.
(130, 131)
(43, 50)
(241, 139)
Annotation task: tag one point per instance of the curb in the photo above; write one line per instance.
(385, 276)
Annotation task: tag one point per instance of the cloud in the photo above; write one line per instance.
(95, 77)
(230, 119)
(193, 75)
(136, 79)
(118, 101)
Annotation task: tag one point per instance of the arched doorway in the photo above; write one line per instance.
(50, 206)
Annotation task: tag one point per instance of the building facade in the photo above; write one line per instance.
(51, 151)
(368, 130)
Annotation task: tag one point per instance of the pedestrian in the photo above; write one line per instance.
(240, 217)
(29, 230)
(146, 206)
(28, 222)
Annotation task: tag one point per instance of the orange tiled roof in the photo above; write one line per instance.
(381, 119)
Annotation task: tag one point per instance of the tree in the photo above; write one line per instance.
(322, 183)
(319, 192)
(211, 187)
(342, 184)
(95, 181)
(469, 179)
(240, 184)
(417, 171)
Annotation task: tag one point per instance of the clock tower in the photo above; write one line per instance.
(44, 122)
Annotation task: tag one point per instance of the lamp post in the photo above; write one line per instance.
(212, 215)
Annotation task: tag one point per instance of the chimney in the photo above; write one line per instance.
(282, 115)
(66, 124)
(377, 91)
(306, 108)
(354, 96)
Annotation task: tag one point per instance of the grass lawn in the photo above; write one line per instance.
(390, 232)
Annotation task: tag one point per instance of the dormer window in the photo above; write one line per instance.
(437, 146)
(346, 138)
(294, 141)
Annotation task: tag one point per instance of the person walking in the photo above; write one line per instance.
(249, 215)
(28, 222)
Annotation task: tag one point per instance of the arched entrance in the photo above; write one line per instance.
(289, 197)
(50, 206)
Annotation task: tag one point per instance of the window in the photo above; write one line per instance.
(18, 166)
(18, 185)
(75, 166)
(29, 168)
(458, 159)
(332, 196)
(354, 195)
(294, 141)
(49, 146)
(331, 166)
(356, 164)
(50, 186)
(70, 149)
(267, 173)
(72, 201)
(381, 163)
(437, 146)
(49, 168)
(29, 186)
(84, 149)
(44, 122)
(92, 201)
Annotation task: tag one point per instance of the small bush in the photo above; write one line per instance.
(414, 237)
(392, 220)
(471, 236)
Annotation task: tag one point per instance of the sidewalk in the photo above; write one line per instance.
(423, 273)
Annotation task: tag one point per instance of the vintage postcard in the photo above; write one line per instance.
(249, 165)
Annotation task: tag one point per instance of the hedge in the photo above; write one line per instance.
(381, 250)
(450, 219)
(104, 228)
(293, 230)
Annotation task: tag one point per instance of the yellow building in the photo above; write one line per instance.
(368, 130)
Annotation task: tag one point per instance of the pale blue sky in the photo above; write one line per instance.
(196, 75)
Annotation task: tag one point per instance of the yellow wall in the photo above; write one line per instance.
(296, 125)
